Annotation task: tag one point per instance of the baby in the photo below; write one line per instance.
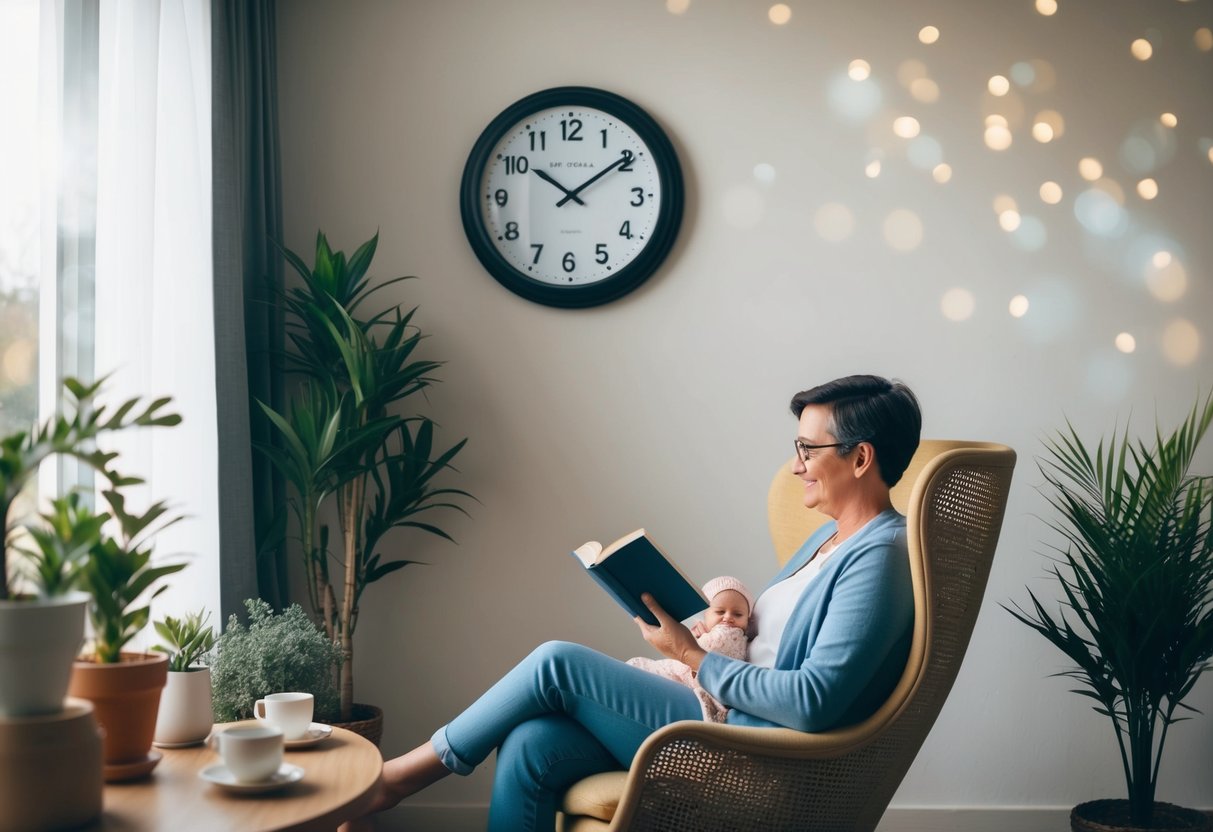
(725, 629)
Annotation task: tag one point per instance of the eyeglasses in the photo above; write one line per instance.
(805, 451)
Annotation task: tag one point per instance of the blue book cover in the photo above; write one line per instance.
(633, 565)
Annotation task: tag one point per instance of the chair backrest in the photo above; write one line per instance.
(954, 495)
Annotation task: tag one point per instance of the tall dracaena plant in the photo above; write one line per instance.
(344, 438)
(1136, 573)
(72, 433)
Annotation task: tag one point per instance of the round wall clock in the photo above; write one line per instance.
(572, 197)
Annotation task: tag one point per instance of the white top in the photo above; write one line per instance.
(774, 607)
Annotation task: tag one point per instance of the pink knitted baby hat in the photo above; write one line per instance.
(718, 585)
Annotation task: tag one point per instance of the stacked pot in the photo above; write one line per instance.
(50, 744)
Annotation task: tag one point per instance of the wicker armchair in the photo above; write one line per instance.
(703, 777)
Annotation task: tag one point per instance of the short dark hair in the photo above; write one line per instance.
(871, 409)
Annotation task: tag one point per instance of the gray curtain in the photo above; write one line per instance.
(248, 276)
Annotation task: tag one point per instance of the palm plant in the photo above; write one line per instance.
(1136, 573)
(343, 439)
(71, 434)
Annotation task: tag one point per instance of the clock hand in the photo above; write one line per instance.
(626, 157)
(546, 178)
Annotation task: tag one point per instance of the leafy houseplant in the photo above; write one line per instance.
(344, 439)
(185, 715)
(274, 653)
(42, 627)
(1136, 573)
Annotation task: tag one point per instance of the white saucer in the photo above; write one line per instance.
(316, 732)
(222, 777)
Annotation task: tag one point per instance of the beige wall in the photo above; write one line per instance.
(667, 408)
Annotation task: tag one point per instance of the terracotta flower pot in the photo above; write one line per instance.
(126, 696)
(1113, 816)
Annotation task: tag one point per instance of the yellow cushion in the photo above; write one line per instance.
(596, 796)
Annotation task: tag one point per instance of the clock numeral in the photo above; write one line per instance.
(625, 230)
(568, 263)
(511, 231)
(639, 197)
(516, 164)
(570, 130)
(600, 253)
(501, 197)
(603, 132)
(538, 251)
(543, 139)
(630, 157)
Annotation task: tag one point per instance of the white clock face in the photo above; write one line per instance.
(570, 195)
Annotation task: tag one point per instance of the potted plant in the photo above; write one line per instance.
(273, 654)
(185, 716)
(345, 440)
(1136, 573)
(41, 613)
(124, 687)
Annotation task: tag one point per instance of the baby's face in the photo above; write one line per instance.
(728, 607)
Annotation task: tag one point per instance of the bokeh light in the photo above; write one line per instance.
(1008, 220)
(1168, 119)
(872, 169)
(1125, 342)
(924, 90)
(910, 71)
(1018, 307)
(924, 152)
(1181, 342)
(1161, 259)
(1003, 203)
(1100, 213)
(1204, 39)
(1046, 76)
(1166, 278)
(1050, 193)
(854, 100)
(997, 137)
(957, 304)
(764, 173)
(1089, 168)
(942, 173)
(779, 14)
(859, 70)
(677, 6)
(928, 34)
(1147, 189)
(1046, 7)
(1031, 235)
(998, 85)
(834, 222)
(903, 230)
(906, 126)
(1147, 146)
(1141, 49)
(1053, 121)
(1042, 132)
(1023, 74)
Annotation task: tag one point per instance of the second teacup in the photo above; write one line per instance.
(290, 712)
(252, 754)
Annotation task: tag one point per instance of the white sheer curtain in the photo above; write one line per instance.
(154, 324)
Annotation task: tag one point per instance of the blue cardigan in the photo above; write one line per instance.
(845, 645)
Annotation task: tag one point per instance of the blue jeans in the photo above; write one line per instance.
(563, 713)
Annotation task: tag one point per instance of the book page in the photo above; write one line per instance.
(620, 543)
(588, 553)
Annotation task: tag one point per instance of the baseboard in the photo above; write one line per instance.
(420, 818)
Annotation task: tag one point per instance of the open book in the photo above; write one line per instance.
(632, 565)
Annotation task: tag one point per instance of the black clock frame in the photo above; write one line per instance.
(669, 215)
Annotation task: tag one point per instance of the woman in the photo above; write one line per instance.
(834, 631)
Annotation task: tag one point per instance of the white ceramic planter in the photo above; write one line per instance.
(185, 716)
(39, 639)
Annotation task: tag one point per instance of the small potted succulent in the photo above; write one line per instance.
(185, 716)
(273, 654)
(124, 687)
(41, 610)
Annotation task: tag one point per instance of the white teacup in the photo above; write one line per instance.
(290, 712)
(252, 754)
